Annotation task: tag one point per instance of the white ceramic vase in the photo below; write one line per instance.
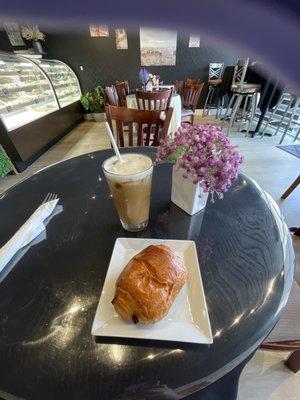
(185, 194)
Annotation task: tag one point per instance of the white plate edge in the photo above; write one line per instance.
(192, 242)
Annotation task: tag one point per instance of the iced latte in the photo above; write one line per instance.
(130, 185)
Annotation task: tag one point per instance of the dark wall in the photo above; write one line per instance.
(103, 64)
(5, 43)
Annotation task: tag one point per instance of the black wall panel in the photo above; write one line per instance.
(103, 64)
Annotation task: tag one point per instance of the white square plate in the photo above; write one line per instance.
(187, 320)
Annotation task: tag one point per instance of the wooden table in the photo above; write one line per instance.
(49, 298)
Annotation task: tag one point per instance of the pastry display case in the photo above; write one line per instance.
(63, 79)
(25, 92)
(39, 103)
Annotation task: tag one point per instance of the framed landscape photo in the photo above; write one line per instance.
(158, 47)
(99, 31)
(194, 41)
(121, 39)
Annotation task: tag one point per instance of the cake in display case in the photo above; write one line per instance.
(25, 92)
(63, 79)
(39, 103)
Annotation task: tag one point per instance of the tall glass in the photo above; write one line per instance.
(130, 186)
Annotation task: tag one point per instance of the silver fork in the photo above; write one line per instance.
(49, 197)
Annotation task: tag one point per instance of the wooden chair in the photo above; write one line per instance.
(189, 98)
(112, 95)
(191, 81)
(122, 91)
(154, 100)
(179, 86)
(137, 121)
(286, 334)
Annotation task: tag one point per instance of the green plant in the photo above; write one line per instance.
(94, 100)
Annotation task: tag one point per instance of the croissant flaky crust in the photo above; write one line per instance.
(148, 285)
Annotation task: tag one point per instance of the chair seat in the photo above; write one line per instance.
(288, 326)
(186, 111)
(246, 88)
(214, 82)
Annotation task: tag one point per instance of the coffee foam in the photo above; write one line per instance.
(133, 164)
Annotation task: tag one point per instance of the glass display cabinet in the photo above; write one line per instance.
(63, 79)
(25, 92)
(39, 103)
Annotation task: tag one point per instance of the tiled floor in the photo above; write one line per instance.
(265, 377)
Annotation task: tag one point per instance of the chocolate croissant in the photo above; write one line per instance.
(149, 284)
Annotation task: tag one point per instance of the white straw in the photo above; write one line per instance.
(113, 142)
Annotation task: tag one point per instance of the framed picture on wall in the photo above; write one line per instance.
(121, 39)
(99, 31)
(14, 35)
(194, 41)
(158, 47)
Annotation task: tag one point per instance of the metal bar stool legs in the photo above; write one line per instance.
(208, 100)
(231, 101)
(290, 120)
(269, 119)
(244, 111)
(283, 115)
(220, 107)
(235, 108)
(254, 101)
(298, 133)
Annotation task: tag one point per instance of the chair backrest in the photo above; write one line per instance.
(112, 95)
(140, 122)
(153, 100)
(191, 81)
(190, 96)
(215, 70)
(122, 90)
(240, 70)
(178, 86)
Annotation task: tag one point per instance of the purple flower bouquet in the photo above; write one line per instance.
(144, 77)
(204, 156)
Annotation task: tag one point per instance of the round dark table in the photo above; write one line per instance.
(49, 298)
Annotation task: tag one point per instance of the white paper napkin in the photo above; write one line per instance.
(28, 231)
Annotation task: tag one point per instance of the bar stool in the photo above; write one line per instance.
(224, 90)
(295, 112)
(284, 115)
(215, 74)
(243, 93)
